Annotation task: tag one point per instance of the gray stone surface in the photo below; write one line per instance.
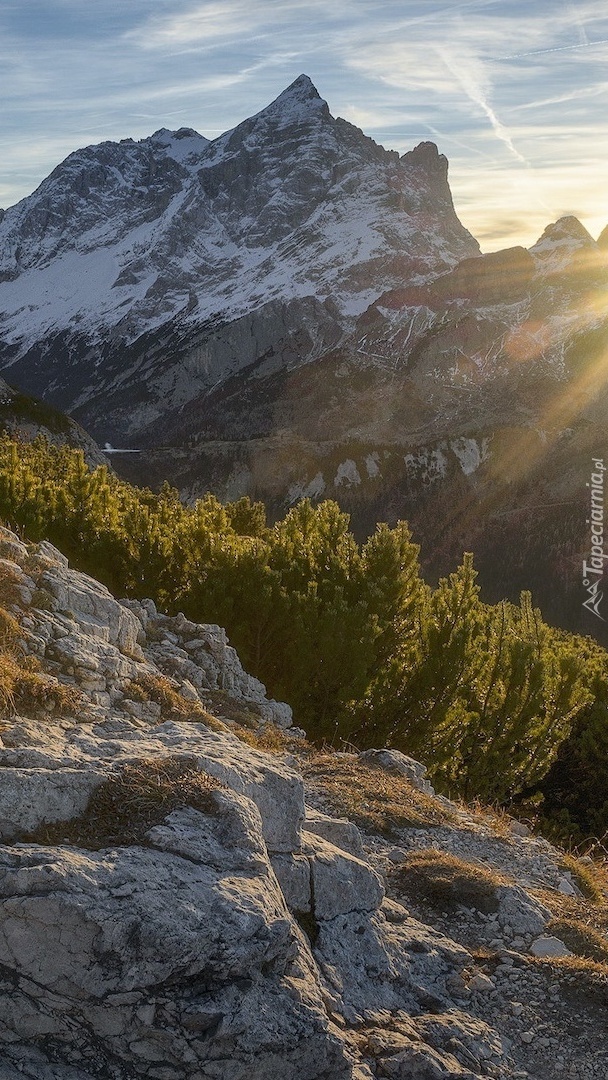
(341, 883)
(181, 953)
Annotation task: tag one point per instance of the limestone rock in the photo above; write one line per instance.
(381, 961)
(521, 912)
(337, 831)
(341, 883)
(181, 953)
(549, 946)
(294, 877)
(31, 797)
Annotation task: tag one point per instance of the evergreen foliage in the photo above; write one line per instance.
(489, 696)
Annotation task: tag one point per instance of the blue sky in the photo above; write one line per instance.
(514, 93)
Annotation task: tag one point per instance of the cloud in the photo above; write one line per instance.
(496, 83)
(472, 78)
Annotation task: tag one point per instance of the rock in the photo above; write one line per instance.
(517, 828)
(419, 1062)
(481, 983)
(188, 692)
(520, 912)
(34, 796)
(341, 883)
(378, 962)
(549, 946)
(395, 761)
(202, 936)
(337, 831)
(294, 876)
(85, 597)
(566, 887)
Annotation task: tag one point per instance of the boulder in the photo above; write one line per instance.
(337, 831)
(521, 912)
(341, 883)
(32, 797)
(549, 946)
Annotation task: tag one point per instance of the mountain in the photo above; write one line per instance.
(290, 310)
(185, 894)
(139, 275)
(25, 418)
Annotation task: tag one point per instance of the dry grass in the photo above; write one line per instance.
(22, 687)
(583, 940)
(269, 738)
(126, 805)
(375, 800)
(444, 881)
(10, 580)
(237, 712)
(591, 878)
(160, 689)
(588, 975)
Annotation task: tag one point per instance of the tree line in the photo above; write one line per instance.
(497, 703)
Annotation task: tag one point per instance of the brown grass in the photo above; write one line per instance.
(591, 878)
(22, 687)
(581, 939)
(375, 800)
(9, 582)
(173, 706)
(228, 708)
(444, 881)
(126, 805)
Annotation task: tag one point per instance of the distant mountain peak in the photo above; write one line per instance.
(567, 228)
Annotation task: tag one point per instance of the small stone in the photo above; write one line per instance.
(481, 982)
(527, 1037)
(517, 828)
(549, 946)
(566, 887)
(188, 692)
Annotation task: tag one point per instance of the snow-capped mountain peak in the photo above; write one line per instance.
(291, 212)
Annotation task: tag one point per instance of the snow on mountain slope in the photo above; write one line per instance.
(126, 240)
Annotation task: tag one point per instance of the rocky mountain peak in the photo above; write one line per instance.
(566, 244)
(426, 154)
(184, 145)
(564, 230)
(301, 94)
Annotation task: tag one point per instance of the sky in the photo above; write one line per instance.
(514, 92)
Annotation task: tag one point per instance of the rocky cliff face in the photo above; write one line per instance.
(178, 903)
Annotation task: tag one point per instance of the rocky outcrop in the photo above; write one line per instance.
(254, 934)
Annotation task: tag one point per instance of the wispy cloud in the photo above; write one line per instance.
(515, 94)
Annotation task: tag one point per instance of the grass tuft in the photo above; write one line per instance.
(444, 881)
(375, 800)
(160, 689)
(129, 803)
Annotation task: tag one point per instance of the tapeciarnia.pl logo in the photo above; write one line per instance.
(593, 569)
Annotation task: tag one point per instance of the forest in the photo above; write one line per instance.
(498, 704)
